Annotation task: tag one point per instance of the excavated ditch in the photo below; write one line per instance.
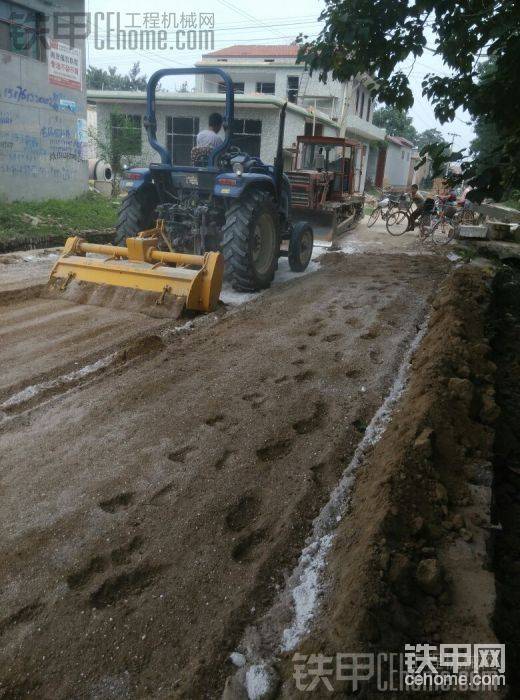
(506, 510)
(410, 562)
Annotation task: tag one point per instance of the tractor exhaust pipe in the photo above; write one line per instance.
(278, 162)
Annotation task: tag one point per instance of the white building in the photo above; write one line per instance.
(180, 116)
(391, 165)
(272, 70)
(264, 78)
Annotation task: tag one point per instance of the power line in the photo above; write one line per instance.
(236, 9)
(229, 42)
(241, 28)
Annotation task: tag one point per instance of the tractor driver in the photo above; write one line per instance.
(210, 138)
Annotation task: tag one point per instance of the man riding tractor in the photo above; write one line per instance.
(226, 200)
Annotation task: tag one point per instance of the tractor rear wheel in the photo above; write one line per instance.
(251, 241)
(137, 213)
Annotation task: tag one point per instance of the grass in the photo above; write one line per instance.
(513, 203)
(56, 218)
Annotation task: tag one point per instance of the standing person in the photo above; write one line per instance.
(418, 200)
(210, 138)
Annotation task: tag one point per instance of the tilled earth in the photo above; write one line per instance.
(43, 338)
(150, 514)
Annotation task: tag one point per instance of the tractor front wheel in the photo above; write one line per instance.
(251, 242)
(300, 247)
(137, 213)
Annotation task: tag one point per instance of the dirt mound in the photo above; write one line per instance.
(408, 564)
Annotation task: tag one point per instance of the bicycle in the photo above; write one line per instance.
(384, 208)
(398, 222)
(435, 223)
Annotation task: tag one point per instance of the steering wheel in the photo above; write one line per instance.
(233, 151)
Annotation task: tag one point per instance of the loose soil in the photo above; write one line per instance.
(150, 515)
(41, 339)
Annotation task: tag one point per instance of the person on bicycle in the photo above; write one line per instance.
(448, 201)
(418, 200)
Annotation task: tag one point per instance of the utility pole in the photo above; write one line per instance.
(453, 137)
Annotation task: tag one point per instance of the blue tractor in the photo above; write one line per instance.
(231, 202)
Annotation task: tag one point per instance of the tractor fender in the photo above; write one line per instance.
(134, 178)
(224, 187)
(248, 180)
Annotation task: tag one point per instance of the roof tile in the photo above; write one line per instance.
(256, 51)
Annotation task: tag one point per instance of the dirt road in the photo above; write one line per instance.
(150, 514)
(25, 269)
(44, 339)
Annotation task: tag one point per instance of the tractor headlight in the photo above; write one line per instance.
(238, 169)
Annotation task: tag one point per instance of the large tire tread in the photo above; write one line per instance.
(136, 213)
(236, 235)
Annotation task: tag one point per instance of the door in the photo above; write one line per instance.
(380, 168)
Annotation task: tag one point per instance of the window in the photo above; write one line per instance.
(181, 137)
(126, 135)
(369, 107)
(293, 83)
(362, 104)
(357, 99)
(239, 88)
(265, 88)
(22, 31)
(318, 129)
(328, 156)
(247, 135)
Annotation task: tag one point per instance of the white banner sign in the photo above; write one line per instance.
(64, 65)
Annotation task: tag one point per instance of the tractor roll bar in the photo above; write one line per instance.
(150, 120)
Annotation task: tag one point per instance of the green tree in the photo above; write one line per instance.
(485, 148)
(99, 79)
(429, 136)
(378, 36)
(396, 122)
(117, 139)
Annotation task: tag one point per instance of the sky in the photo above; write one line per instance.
(248, 22)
